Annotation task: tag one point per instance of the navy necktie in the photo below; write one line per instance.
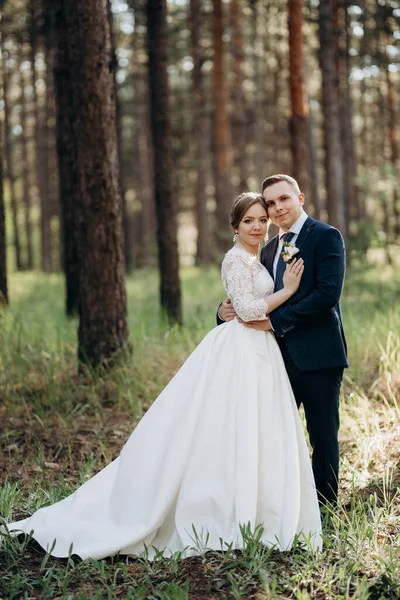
(281, 265)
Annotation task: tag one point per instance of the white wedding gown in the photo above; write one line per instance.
(223, 445)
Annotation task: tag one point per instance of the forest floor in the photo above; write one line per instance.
(57, 429)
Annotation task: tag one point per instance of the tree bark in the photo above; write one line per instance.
(166, 206)
(200, 130)
(102, 302)
(239, 117)
(3, 246)
(315, 187)
(393, 143)
(342, 34)
(331, 122)
(222, 142)
(259, 117)
(52, 209)
(299, 110)
(37, 171)
(27, 200)
(67, 163)
(122, 187)
(145, 175)
(42, 148)
(143, 224)
(9, 163)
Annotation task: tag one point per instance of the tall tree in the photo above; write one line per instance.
(52, 208)
(259, 117)
(331, 122)
(146, 245)
(27, 200)
(203, 254)
(9, 160)
(3, 261)
(299, 132)
(315, 187)
(392, 127)
(221, 136)
(342, 43)
(239, 117)
(146, 255)
(42, 129)
(122, 188)
(166, 207)
(67, 162)
(39, 175)
(102, 298)
(143, 225)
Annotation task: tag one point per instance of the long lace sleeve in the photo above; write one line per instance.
(237, 277)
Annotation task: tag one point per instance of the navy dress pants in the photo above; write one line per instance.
(318, 392)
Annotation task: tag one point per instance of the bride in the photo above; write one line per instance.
(221, 447)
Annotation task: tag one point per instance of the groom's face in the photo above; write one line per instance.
(284, 204)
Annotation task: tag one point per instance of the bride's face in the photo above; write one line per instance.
(253, 227)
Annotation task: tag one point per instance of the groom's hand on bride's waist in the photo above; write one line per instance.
(226, 311)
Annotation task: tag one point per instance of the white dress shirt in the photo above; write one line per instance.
(295, 228)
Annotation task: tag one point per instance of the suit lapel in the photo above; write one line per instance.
(269, 254)
(304, 231)
(269, 251)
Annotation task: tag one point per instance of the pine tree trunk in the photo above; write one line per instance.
(394, 148)
(52, 208)
(102, 302)
(148, 220)
(223, 153)
(330, 109)
(166, 206)
(200, 130)
(27, 200)
(3, 246)
(143, 223)
(9, 163)
(259, 118)
(114, 64)
(67, 163)
(239, 119)
(42, 163)
(125, 224)
(341, 21)
(37, 129)
(299, 110)
(315, 187)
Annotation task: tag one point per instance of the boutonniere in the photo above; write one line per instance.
(288, 251)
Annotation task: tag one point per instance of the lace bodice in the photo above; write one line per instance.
(247, 283)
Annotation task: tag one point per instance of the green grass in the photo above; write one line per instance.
(58, 428)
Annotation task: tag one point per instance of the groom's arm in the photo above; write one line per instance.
(330, 270)
(219, 320)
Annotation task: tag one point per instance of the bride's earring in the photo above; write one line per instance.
(236, 238)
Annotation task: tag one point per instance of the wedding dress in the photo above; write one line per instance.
(222, 446)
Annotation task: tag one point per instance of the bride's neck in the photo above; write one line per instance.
(250, 249)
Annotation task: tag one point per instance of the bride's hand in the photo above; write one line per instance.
(292, 275)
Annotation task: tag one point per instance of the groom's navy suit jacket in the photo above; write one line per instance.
(309, 324)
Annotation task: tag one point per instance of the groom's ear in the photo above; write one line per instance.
(301, 198)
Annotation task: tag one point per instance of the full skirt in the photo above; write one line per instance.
(222, 447)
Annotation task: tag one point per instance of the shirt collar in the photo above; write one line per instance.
(297, 225)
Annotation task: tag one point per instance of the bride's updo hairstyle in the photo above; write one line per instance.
(242, 204)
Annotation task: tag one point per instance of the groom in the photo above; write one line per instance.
(308, 327)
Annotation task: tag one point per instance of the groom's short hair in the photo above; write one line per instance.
(272, 179)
